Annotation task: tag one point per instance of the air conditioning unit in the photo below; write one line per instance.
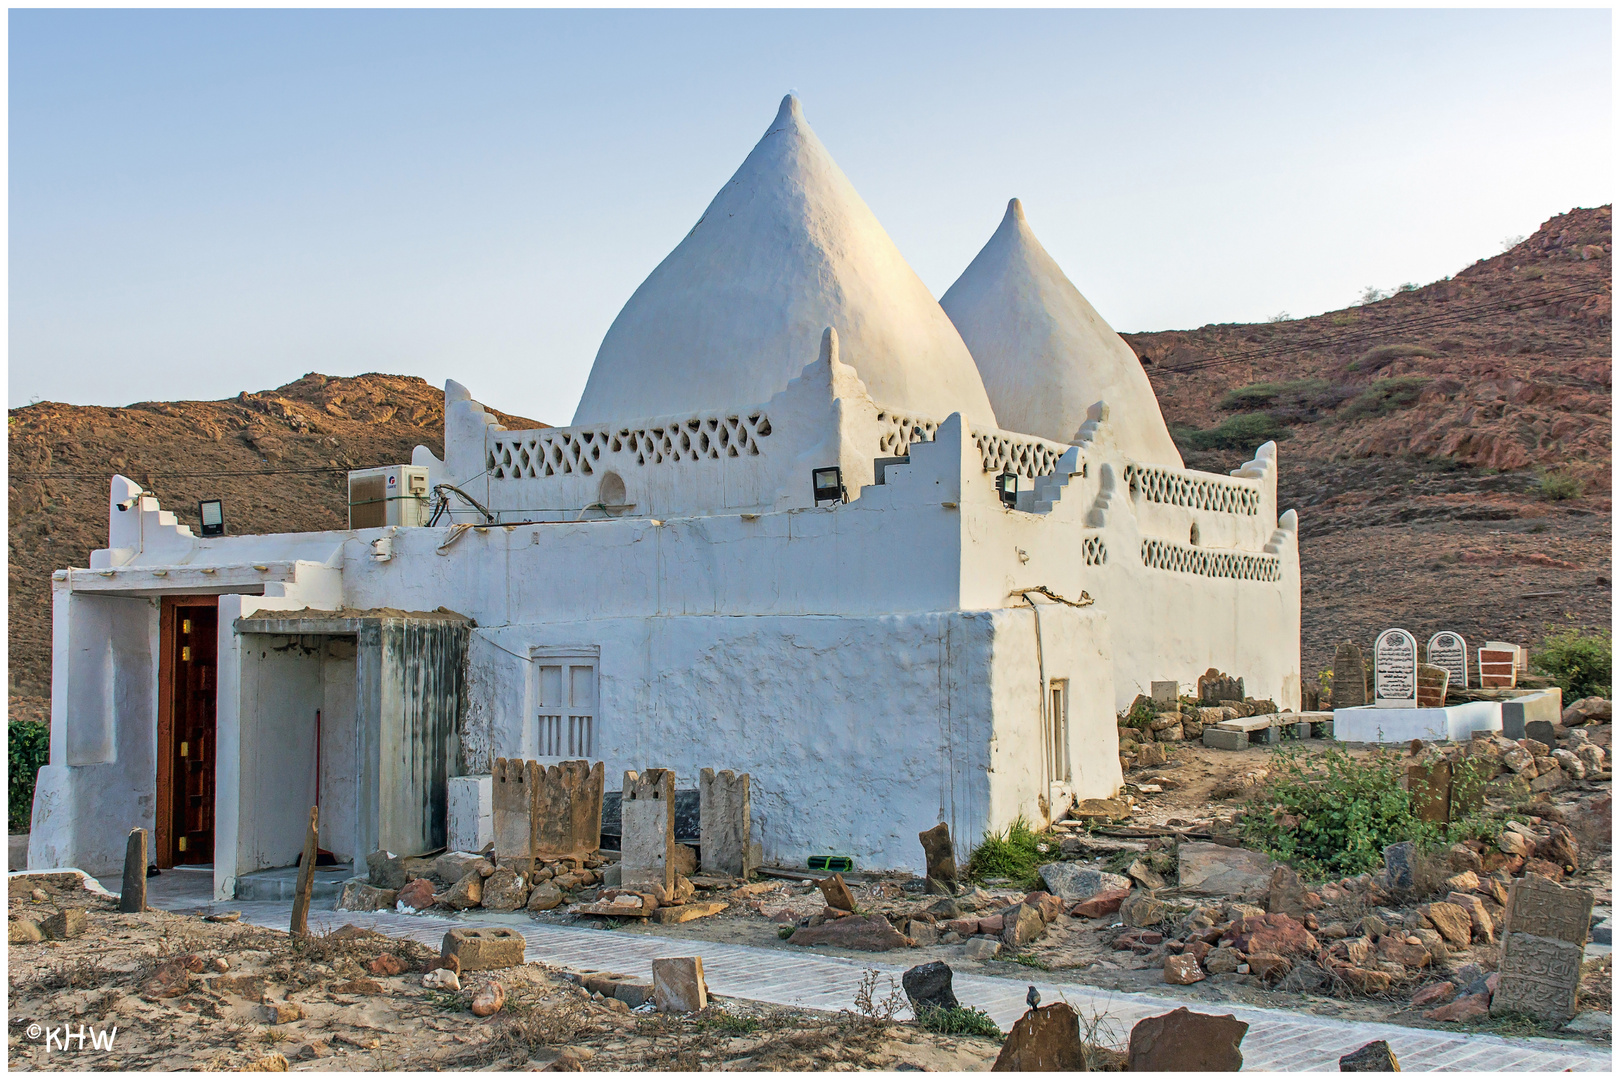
(391, 495)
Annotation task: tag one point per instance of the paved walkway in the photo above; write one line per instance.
(1276, 1041)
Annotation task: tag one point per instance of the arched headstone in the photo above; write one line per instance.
(1395, 675)
(1448, 650)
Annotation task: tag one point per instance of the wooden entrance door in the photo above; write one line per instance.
(187, 693)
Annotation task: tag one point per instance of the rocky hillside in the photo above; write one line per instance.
(1414, 431)
(278, 459)
(1448, 446)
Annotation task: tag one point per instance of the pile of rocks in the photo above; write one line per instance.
(462, 880)
(1526, 766)
(1176, 720)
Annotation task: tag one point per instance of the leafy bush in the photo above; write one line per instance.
(1260, 395)
(1139, 715)
(958, 1020)
(1386, 396)
(1333, 815)
(1243, 432)
(1013, 855)
(1384, 355)
(1557, 486)
(1580, 662)
(28, 746)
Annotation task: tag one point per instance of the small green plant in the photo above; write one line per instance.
(1331, 814)
(1384, 355)
(1386, 396)
(1557, 486)
(448, 1000)
(1139, 715)
(1013, 855)
(28, 747)
(1243, 432)
(958, 1020)
(730, 1023)
(1579, 661)
(1030, 960)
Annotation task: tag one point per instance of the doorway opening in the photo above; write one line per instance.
(187, 697)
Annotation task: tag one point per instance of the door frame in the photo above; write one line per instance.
(163, 833)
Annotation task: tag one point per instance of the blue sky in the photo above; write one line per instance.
(206, 202)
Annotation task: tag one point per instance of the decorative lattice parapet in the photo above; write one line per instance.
(1026, 455)
(1205, 562)
(546, 812)
(897, 432)
(1193, 490)
(1094, 550)
(529, 455)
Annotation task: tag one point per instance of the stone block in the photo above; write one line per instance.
(634, 992)
(1398, 863)
(1544, 908)
(1213, 870)
(1221, 739)
(66, 924)
(1184, 1041)
(452, 866)
(1539, 977)
(940, 855)
(836, 893)
(981, 948)
(484, 948)
(1045, 1039)
(546, 811)
(1542, 731)
(681, 913)
(361, 896)
(647, 820)
(724, 822)
(928, 986)
(1349, 677)
(466, 893)
(1071, 881)
(1374, 1057)
(469, 813)
(864, 933)
(505, 890)
(1165, 693)
(678, 985)
(1022, 925)
(386, 870)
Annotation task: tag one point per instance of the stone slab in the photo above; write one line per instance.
(1248, 723)
(1221, 739)
(724, 811)
(678, 985)
(1454, 723)
(469, 813)
(681, 913)
(483, 948)
(647, 848)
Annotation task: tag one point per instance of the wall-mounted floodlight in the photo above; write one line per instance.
(212, 512)
(1007, 488)
(828, 484)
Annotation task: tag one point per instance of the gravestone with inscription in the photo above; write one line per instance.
(1448, 650)
(1216, 686)
(1395, 674)
(1349, 677)
(1543, 943)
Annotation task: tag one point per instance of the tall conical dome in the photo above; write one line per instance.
(785, 250)
(1044, 352)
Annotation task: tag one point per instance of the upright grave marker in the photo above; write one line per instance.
(1542, 945)
(1448, 650)
(1349, 677)
(1432, 683)
(648, 823)
(1395, 670)
(723, 822)
(1498, 665)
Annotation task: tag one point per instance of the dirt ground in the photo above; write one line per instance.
(132, 972)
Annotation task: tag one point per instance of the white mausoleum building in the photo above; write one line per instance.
(657, 585)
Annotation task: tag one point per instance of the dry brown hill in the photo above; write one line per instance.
(1414, 433)
(277, 458)
(1411, 429)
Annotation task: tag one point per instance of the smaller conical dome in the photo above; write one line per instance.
(1045, 354)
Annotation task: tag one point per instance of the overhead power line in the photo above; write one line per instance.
(178, 475)
(1409, 324)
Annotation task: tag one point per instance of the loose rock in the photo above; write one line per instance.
(488, 1001)
(1185, 1041)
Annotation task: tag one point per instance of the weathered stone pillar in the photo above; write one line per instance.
(647, 853)
(546, 812)
(133, 898)
(723, 822)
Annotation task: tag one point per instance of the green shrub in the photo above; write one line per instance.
(1557, 486)
(1384, 355)
(1139, 715)
(28, 747)
(1386, 396)
(958, 1020)
(1344, 812)
(1013, 855)
(1300, 393)
(1243, 432)
(1579, 661)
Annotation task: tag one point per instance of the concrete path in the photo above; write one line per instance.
(1277, 1040)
